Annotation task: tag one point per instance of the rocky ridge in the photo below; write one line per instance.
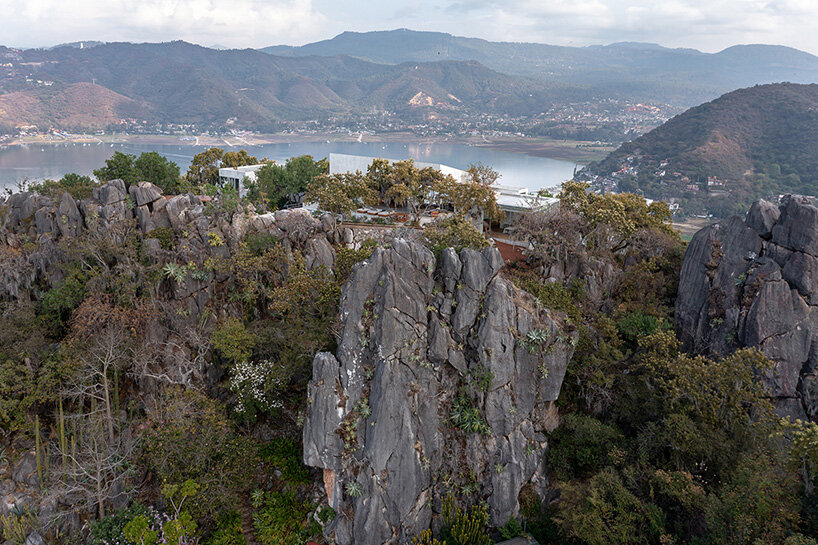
(33, 225)
(753, 282)
(444, 382)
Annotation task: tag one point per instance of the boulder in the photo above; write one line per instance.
(111, 192)
(24, 471)
(69, 218)
(144, 193)
(35, 539)
(379, 416)
(319, 253)
(761, 218)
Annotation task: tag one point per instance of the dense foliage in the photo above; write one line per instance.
(197, 438)
(655, 445)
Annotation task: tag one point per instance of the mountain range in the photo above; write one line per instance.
(184, 83)
(412, 74)
(638, 71)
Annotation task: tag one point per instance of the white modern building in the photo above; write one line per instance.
(237, 177)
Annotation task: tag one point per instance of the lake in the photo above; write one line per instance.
(37, 162)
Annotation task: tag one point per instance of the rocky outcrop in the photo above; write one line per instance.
(32, 227)
(444, 381)
(754, 282)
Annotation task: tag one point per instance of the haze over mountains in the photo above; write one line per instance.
(413, 74)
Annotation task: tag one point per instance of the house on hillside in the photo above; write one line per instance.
(238, 177)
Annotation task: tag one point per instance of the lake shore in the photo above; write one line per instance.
(566, 150)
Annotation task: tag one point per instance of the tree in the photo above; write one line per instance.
(482, 174)
(415, 188)
(236, 159)
(454, 232)
(470, 198)
(158, 170)
(341, 193)
(380, 172)
(271, 186)
(100, 367)
(119, 166)
(188, 436)
(602, 511)
(204, 168)
(278, 186)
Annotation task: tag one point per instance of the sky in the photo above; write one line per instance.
(708, 25)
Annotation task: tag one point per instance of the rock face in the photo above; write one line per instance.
(429, 346)
(29, 220)
(754, 283)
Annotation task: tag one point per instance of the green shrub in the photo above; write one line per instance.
(282, 520)
(190, 437)
(285, 454)
(164, 235)
(110, 529)
(582, 445)
(346, 258)
(602, 511)
(634, 325)
(227, 531)
(57, 303)
(258, 243)
(233, 340)
(454, 232)
(79, 187)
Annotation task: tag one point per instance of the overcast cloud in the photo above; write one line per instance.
(709, 25)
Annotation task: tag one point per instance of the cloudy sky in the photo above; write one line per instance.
(709, 25)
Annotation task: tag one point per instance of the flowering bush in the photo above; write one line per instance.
(257, 386)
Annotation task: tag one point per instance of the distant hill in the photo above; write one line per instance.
(75, 106)
(681, 77)
(757, 142)
(185, 83)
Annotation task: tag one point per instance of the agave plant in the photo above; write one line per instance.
(174, 271)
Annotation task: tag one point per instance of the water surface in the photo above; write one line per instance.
(37, 162)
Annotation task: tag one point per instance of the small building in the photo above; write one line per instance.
(237, 177)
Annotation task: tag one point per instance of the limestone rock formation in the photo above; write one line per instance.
(754, 282)
(29, 220)
(444, 381)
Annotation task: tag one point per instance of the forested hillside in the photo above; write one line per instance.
(755, 142)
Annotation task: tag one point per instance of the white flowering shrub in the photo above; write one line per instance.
(257, 386)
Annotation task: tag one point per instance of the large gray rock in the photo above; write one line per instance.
(111, 192)
(24, 470)
(754, 283)
(762, 216)
(69, 218)
(144, 193)
(379, 410)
